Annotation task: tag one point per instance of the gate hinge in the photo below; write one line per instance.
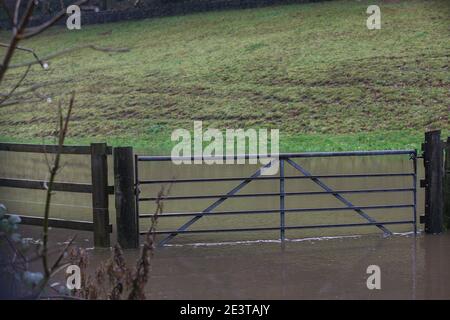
(421, 219)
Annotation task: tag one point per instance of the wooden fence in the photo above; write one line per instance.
(447, 183)
(99, 188)
(436, 154)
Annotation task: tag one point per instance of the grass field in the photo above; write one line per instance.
(312, 70)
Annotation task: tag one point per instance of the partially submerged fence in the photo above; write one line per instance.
(99, 188)
(436, 182)
(127, 185)
(291, 159)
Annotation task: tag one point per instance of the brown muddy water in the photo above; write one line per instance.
(321, 268)
(314, 263)
(78, 206)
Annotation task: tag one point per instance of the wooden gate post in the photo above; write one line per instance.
(433, 183)
(126, 215)
(447, 184)
(100, 203)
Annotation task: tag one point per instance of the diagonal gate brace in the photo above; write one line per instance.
(338, 196)
(215, 204)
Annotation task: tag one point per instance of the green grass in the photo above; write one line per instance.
(313, 71)
(159, 144)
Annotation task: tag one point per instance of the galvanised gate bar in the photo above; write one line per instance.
(291, 159)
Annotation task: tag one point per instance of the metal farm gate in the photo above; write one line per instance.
(288, 159)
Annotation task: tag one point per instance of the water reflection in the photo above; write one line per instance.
(318, 268)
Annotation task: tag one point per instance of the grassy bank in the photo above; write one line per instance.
(158, 144)
(313, 71)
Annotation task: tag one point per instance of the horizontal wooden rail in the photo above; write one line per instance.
(98, 188)
(60, 223)
(57, 186)
(49, 148)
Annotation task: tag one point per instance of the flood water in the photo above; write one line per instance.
(319, 268)
(312, 264)
(79, 207)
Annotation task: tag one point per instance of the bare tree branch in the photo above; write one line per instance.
(43, 65)
(16, 15)
(66, 51)
(15, 39)
(36, 87)
(19, 101)
(11, 92)
(61, 255)
(19, 21)
(63, 126)
(30, 32)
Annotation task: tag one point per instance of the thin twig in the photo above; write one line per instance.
(63, 126)
(61, 255)
(31, 32)
(5, 45)
(65, 51)
(11, 92)
(15, 38)
(16, 14)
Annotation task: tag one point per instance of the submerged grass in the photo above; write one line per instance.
(312, 70)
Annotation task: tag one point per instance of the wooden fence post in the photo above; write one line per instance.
(434, 200)
(126, 216)
(100, 203)
(447, 183)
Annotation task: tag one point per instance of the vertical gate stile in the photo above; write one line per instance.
(100, 195)
(137, 189)
(447, 183)
(414, 158)
(282, 198)
(433, 183)
(124, 186)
